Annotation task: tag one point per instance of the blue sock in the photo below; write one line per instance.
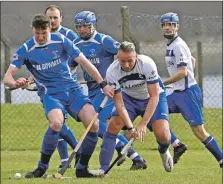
(49, 145)
(119, 144)
(62, 149)
(107, 150)
(132, 154)
(68, 136)
(102, 129)
(174, 141)
(87, 149)
(162, 148)
(211, 144)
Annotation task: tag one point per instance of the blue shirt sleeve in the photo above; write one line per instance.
(19, 57)
(71, 35)
(111, 45)
(72, 51)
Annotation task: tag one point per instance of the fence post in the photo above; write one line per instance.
(200, 67)
(6, 65)
(126, 33)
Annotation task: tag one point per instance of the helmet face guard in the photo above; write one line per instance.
(85, 31)
(169, 23)
(85, 24)
(171, 30)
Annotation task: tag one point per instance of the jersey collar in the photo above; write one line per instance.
(172, 40)
(59, 28)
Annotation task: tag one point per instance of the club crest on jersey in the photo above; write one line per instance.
(55, 54)
(92, 53)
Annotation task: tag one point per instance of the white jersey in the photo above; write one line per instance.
(134, 82)
(178, 54)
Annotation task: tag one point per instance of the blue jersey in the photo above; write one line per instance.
(100, 50)
(71, 35)
(48, 63)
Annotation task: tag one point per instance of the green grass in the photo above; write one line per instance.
(195, 167)
(23, 127)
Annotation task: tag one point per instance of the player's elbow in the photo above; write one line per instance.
(5, 79)
(183, 73)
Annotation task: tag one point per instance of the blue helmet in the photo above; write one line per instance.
(169, 18)
(86, 19)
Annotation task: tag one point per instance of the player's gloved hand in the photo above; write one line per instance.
(141, 131)
(20, 82)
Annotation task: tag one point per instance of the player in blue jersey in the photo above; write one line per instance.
(55, 14)
(101, 49)
(46, 57)
(187, 96)
(143, 95)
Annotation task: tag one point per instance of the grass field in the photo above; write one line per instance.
(23, 126)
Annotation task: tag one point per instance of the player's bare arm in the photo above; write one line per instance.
(92, 70)
(193, 61)
(9, 80)
(153, 90)
(119, 104)
(181, 73)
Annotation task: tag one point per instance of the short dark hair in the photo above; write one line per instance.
(51, 7)
(127, 47)
(40, 21)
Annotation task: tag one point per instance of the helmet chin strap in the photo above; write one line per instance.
(89, 35)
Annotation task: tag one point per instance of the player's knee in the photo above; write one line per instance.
(200, 132)
(95, 126)
(56, 125)
(162, 132)
(56, 119)
(115, 125)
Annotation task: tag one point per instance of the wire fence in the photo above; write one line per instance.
(23, 122)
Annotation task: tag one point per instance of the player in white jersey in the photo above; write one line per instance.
(101, 49)
(187, 96)
(143, 95)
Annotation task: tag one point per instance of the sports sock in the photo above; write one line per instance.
(107, 150)
(87, 148)
(62, 149)
(174, 140)
(48, 147)
(68, 136)
(162, 148)
(211, 144)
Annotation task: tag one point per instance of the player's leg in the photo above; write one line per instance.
(67, 135)
(109, 141)
(54, 113)
(63, 151)
(104, 115)
(179, 148)
(160, 126)
(121, 141)
(62, 145)
(82, 110)
(161, 131)
(193, 115)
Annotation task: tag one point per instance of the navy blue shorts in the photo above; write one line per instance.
(137, 107)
